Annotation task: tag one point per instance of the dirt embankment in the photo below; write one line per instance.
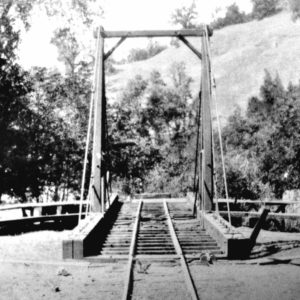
(32, 268)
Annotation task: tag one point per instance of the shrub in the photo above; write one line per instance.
(137, 54)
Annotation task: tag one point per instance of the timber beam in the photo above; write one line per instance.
(158, 33)
(111, 51)
(189, 45)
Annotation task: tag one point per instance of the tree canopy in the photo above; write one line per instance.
(262, 146)
(42, 113)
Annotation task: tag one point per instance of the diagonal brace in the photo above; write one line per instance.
(185, 41)
(110, 52)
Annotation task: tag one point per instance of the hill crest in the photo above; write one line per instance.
(240, 55)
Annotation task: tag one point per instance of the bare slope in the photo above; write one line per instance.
(240, 54)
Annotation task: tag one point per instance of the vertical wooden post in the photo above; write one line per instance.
(103, 142)
(98, 126)
(103, 193)
(206, 98)
(198, 167)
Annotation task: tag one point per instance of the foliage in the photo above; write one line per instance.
(9, 40)
(126, 123)
(262, 147)
(68, 48)
(73, 38)
(295, 9)
(61, 103)
(15, 117)
(85, 11)
(157, 117)
(17, 8)
(152, 49)
(232, 16)
(185, 16)
(39, 147)
(265, 8)
(42, 119)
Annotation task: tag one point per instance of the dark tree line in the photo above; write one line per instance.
(263, 145)
(42, 119)
(158, 117)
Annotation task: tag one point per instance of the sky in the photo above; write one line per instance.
(155, 14)
(36, 48)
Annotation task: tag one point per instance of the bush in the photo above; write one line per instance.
(110, 68)
(137, 54)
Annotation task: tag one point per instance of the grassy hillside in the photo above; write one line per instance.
(240, 53)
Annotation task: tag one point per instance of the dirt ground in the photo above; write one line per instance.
(31, 267)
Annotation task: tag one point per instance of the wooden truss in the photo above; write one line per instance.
(99, 173)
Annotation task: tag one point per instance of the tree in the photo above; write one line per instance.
(185, 16)
(262, 147)
(126, 122)
(42, 114)
(232, 16)
(265, 8)
(15, 117)
(68, 49)
(76, 18)
(156, 116)
(61, 107)
(85, 11)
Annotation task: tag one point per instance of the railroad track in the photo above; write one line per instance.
(156, 235)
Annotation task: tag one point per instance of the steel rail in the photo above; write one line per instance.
(187, 275)
(128, 277)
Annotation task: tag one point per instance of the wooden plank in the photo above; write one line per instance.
(173, 200)
(261, 202)
(257, 214)
(152, 196)
(187, 275)
(157, 33)
(67, 249)
(128, 274)
(77, 248)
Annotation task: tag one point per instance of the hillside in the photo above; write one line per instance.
(240, 54)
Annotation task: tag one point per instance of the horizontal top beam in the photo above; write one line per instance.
(157, 33)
